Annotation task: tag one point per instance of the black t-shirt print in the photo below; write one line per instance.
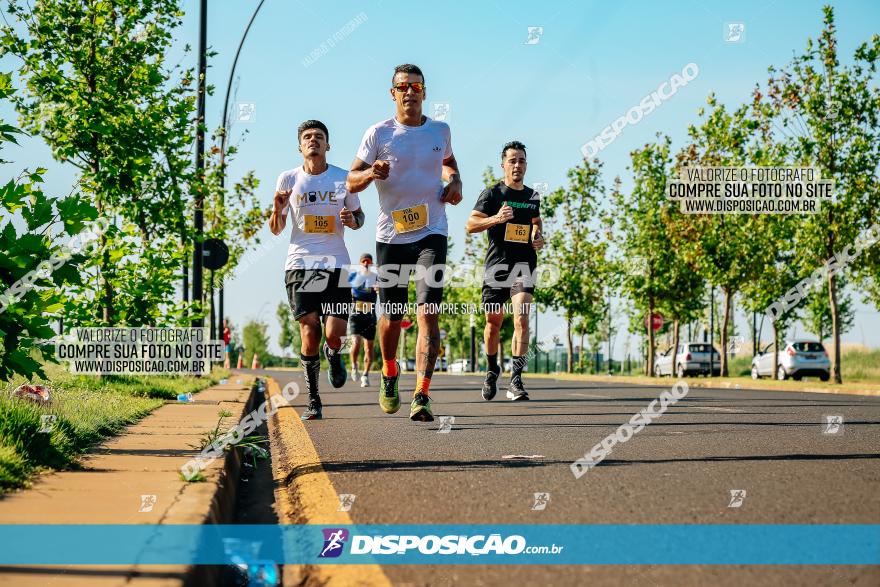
(526, 205)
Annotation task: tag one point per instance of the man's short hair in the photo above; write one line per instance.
(407, 68)
(512, 145)
(310, 124)
(367, 256)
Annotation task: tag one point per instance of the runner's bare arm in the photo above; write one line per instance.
(278, 220)
(362, 174)
(538, 239)
(479, 221)
(452, 192)
(353, 219)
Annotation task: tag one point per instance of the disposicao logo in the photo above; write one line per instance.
(334, 541)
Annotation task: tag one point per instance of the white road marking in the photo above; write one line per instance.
(591, 395)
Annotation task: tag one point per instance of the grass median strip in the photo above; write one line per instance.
(86, 409)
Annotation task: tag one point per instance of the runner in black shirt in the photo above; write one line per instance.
(511, 214)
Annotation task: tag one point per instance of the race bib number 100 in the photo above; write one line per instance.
(320, 224)
(410, 219)
(516, 233)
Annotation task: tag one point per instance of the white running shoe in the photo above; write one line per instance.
(354, 373)
(365, 380)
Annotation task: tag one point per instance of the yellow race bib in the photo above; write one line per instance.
(516, 233)
(410, 219)
(319, 224)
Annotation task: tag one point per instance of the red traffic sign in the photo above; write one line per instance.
(655, 320)
(405, 324)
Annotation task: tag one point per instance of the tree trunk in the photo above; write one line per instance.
(675, 337)
(835, 328)
(651, 342)
(581, 355)
(568, 340)
(725, 324)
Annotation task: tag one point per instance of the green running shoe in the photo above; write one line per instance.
(420, 409)
(389, 399)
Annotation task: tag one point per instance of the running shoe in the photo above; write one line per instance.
(365, 380)
(389, 399)
(516, 392)
(336, 374)
(313, 411)
(420, 408)
(490, 387)
(354, 372)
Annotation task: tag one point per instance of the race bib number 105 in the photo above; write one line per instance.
(410, 219)
(320, 224)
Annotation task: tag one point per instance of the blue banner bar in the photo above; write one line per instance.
(600, 544)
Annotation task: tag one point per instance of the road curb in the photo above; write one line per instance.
(222, 506)
(304, 494)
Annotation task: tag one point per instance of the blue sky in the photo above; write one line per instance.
(593, 62)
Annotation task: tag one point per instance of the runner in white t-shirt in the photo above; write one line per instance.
(314, 197)
(409, 156)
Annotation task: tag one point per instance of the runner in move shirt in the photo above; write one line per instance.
(362, 321)
(314, 195)
(510, 213)
(409, 156)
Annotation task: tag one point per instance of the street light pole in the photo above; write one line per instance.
(225, 134)
(712, 332)
(198, 221)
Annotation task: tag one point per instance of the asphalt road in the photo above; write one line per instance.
(680, 469)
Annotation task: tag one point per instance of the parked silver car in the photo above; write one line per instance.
(799, 358)
(692, 358)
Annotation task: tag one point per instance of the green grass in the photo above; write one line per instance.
(88, 409)
(861, 365)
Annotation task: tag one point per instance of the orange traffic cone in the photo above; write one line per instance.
(255, 364)
(240, 360)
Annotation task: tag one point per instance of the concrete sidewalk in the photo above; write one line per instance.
(134, 478)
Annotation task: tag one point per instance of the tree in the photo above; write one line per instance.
(829, 116)
(34, 264)
(100, 94)
(289, 339)
(817, 311)
(232, 215)
(576, 249)
(255, 341)
(779, 274)
(652, 273)
(721, 247)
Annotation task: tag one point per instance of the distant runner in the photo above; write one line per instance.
(321, 208)
(227, 345)
(362, 321)
(409, 156)
(511, 214)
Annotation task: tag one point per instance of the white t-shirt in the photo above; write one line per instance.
(316, 237)
(416, 154)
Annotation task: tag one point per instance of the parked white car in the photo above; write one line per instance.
(797, 359)
(692, 358)
(458, 366)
